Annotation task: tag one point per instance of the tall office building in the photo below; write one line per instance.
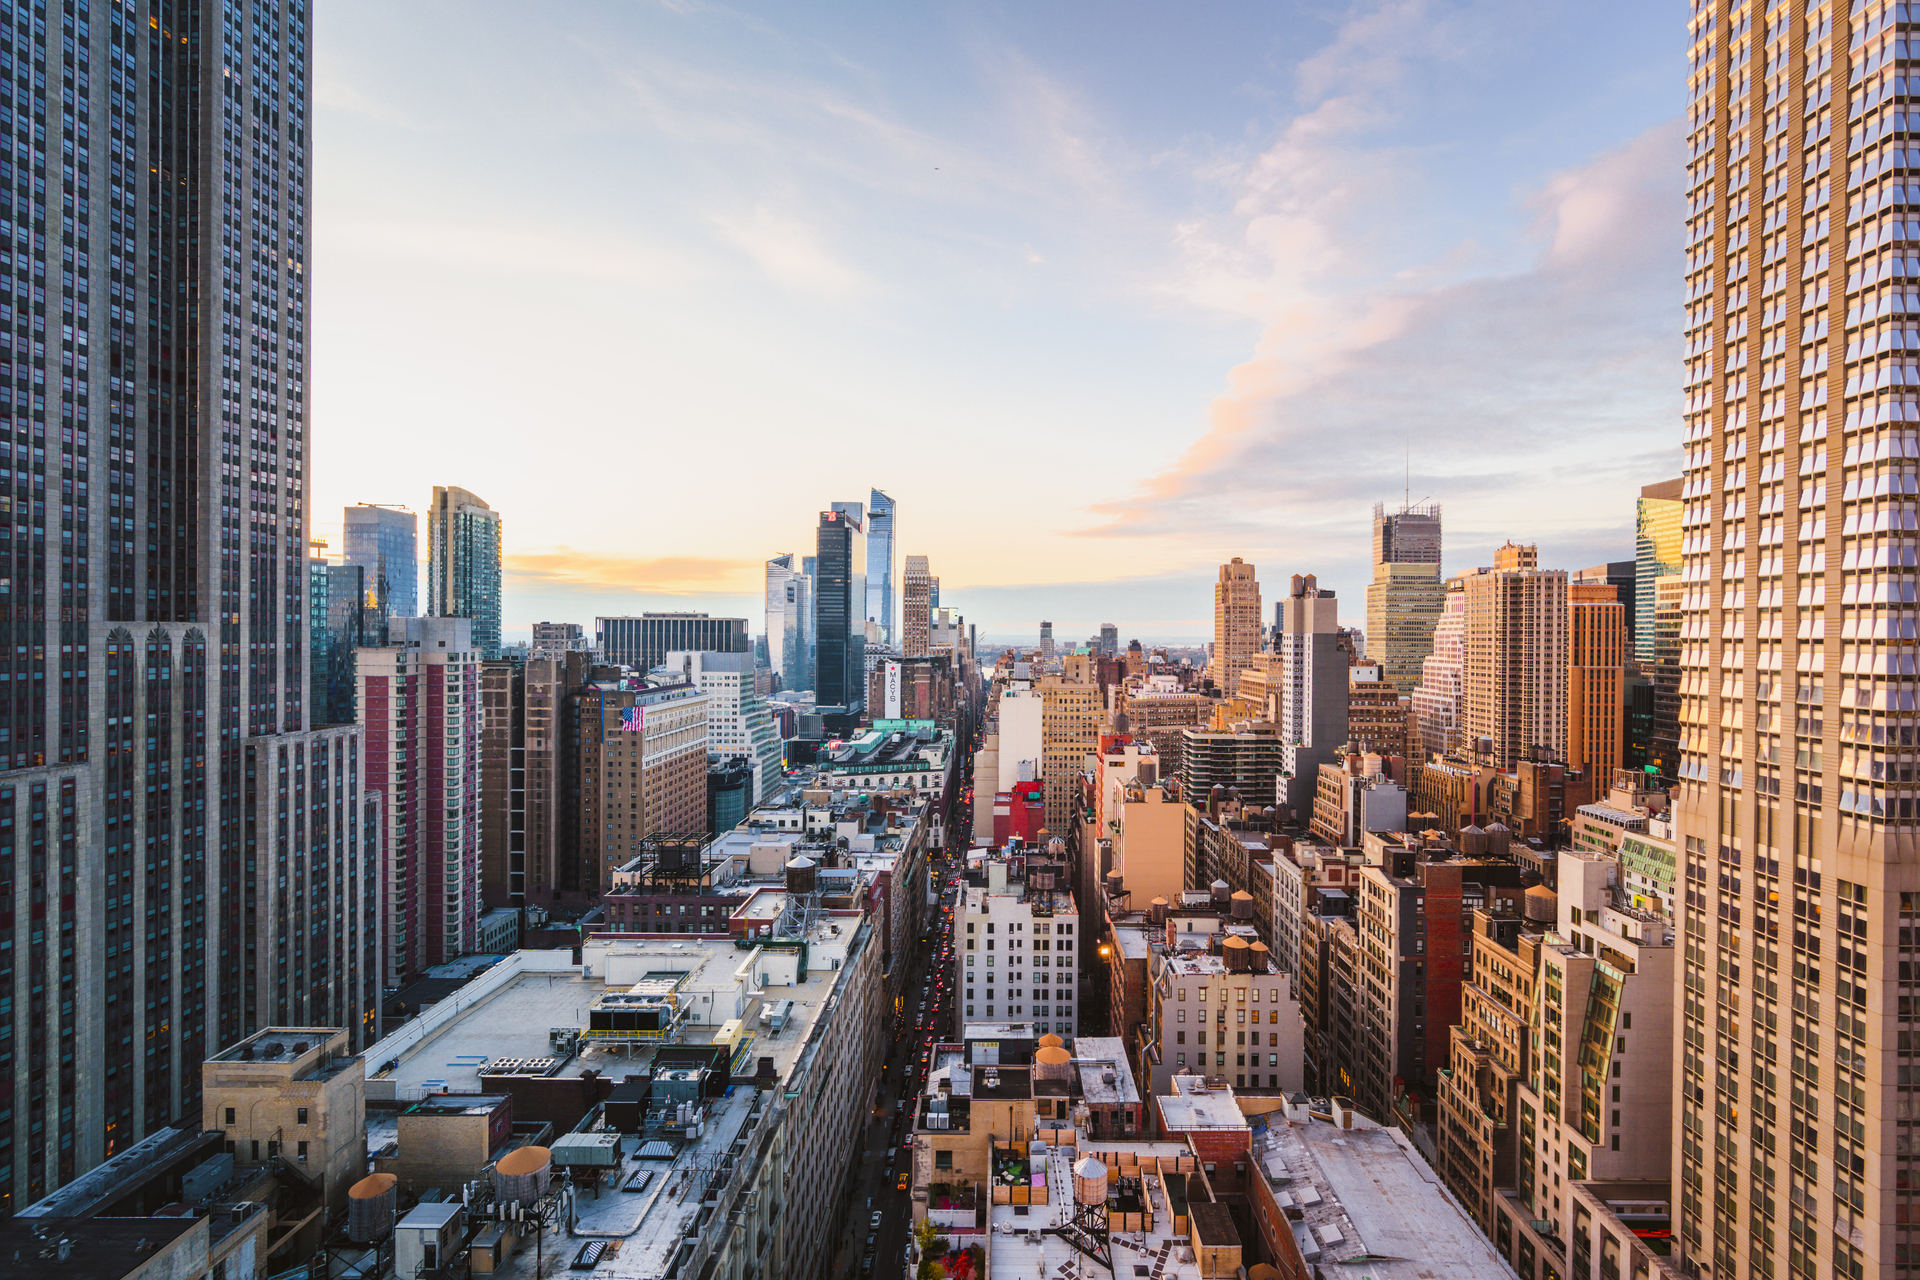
(1514, 679)
(643, 642)
(790, 622)
(1623, 577)
(916, 608)
(1436, 701)
(1236, 622)
(551, 639)
(1046, 644)
(840, 679)
(739, 722)
(420, 706)
(1596, 664)
(854, 513)
(463, 564)
(1405, 595)
(1656, 554)
(384, 540)
(1797, 688)
(880, 538)
(1311, 707)
(187, 855)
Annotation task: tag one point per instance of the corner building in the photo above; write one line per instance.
(187, 862)
(1797, 697)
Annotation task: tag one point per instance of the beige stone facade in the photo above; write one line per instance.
(1236, 622)
(1514, 681)
(295, 1093)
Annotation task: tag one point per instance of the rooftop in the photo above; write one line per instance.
(1366, 1194)
(1194, 1104)
(513, 1014)
(1090, 1054)
(1018, 1247)
(94, 1249)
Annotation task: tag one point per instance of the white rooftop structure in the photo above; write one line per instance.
(1367, 1193)
(1016, 1246)
(1194, 1104)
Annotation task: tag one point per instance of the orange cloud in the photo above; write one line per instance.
(563, 566)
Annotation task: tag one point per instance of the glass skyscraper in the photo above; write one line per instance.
(880, 524)
(839, 647)
(1406, 595)
(1656, 553)
(154, 329)
(789, 623)
(463, 564)
(384, 540)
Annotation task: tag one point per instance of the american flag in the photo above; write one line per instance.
(633, 719)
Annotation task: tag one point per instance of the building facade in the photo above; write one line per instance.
(1236, 622)
(1014, 948)
(1596, 668)
(639, 769)
(644, 642)
(739, 722)
(1795, 684)
(384, 541)
(916, 607)
(840, 677)
(1404, 596)
(420, 705)
(157, 527)
(1310, 711)
(1656, 555)
(881, 513)
(463, 564)
(1514, 676)
(790, 622)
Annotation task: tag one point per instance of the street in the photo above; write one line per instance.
(868, 1250)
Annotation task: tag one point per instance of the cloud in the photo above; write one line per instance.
(789, 253)
(593, 571)
(1495, 363)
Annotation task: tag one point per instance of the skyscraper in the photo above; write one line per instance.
(644, 642)
(1236, 622)
(1656, 553)
(880, 535)
(916, 608)
(420, 706)
(1514, 678)
(1797, 686)
(1110, 639)
(384, 541)
(1596, 662)
(790, 622)
(1046, 644)
(463, 564)
(1311, 708)
(173, 897)
(1436, 701)
(840, 679)
(1404, 597)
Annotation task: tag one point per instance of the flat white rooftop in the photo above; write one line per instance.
(1380, 1199)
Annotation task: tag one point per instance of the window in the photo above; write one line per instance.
(303, 1152)
(1179, 1015)
(229, 1116)
(943, 1159)
(301, 1115)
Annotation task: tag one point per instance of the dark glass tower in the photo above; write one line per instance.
(186, 861)
(839, 664)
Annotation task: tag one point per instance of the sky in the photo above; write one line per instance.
(1101, 294)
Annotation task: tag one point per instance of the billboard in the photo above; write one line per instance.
(893, 691)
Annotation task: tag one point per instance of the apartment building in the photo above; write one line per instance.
(1562, 1063)
(1514, 671)
(1070, 727)
(1236, 622)
(1596, 666)
(1229, 1014)
(1015, 940)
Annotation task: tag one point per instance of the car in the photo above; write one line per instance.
(907, 1146)
(874, 1223)
(906, 1181)
(873, 1238)
(866, 1264)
